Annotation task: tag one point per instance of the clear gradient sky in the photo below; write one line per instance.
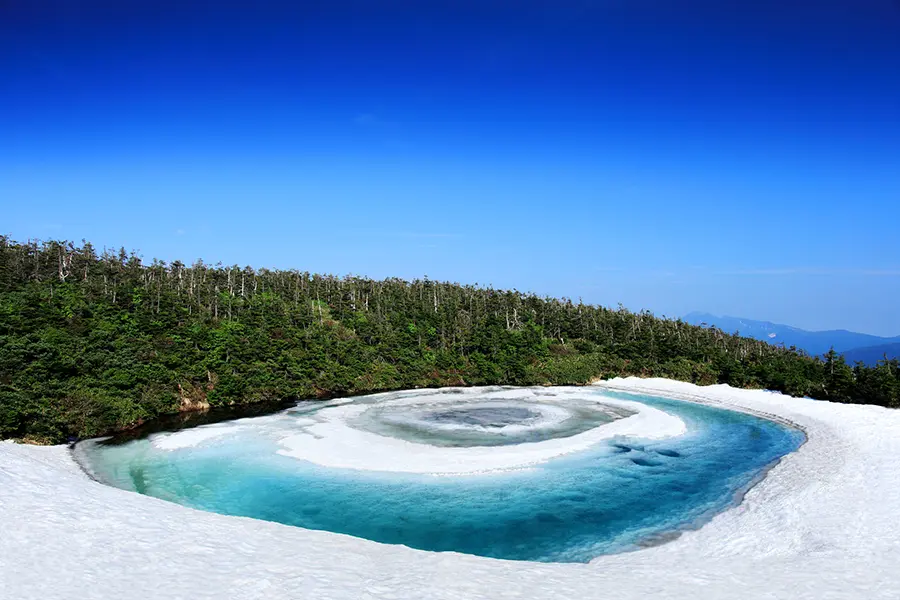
(731, 157)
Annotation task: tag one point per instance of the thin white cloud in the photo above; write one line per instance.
(365, 119)
(695, 271)
(780, 271)
(417, 234)
(371, 120)
(787, 271)
(431, 235)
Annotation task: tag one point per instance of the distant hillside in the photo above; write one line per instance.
(870, 355)
(813, 342)
(91, 344)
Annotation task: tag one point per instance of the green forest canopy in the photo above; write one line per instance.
(92, 343)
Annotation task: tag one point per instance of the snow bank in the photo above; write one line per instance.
(187, 438)
(823, 524)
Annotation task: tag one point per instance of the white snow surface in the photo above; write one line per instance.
(333, 442)
(823, 524)
(191, 437)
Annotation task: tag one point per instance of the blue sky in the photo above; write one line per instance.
(675, 156)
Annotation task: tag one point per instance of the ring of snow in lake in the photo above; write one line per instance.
(548, 474)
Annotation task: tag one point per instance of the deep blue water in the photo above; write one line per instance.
(615, 497)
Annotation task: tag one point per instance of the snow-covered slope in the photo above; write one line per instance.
(825, 523)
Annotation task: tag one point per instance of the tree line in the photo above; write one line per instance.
(92, 343)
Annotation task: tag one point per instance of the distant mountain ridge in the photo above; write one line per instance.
(855, 346)
(870, 355)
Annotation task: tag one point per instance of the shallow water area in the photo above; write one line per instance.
(581, 493)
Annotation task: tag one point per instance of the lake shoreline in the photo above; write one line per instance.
(822, 522)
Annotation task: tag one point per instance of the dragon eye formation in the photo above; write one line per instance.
(547, 474)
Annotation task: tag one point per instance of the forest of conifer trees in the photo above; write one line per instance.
(93, 342)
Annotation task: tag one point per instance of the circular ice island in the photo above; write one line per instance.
(546, 474)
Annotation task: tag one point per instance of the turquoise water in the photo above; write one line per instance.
(617, 496)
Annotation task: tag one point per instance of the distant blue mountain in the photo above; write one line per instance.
(850, 343)
(872, 354)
